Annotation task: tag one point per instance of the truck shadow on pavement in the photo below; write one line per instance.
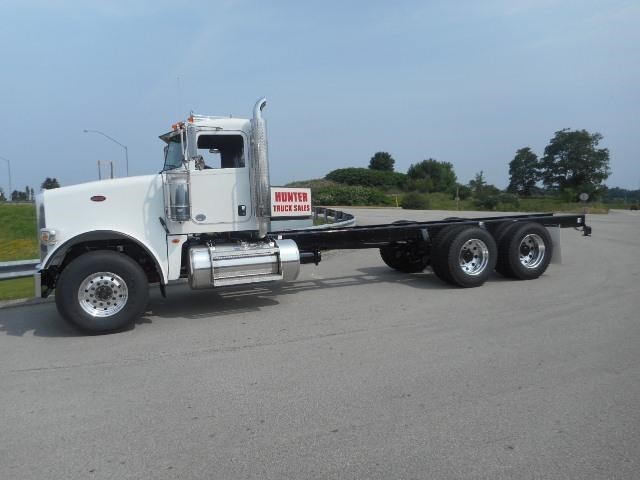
(44, 321)
(183, 302)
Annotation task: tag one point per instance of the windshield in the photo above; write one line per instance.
(173, 154)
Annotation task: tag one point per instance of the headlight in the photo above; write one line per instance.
(48, 236)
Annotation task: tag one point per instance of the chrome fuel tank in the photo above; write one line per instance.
(239, 263)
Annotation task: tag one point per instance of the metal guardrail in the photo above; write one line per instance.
(18, 269)
(332, 218)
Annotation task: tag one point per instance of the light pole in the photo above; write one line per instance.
(9, 168)
(126, 150)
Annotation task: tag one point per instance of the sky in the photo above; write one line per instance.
(466, 82)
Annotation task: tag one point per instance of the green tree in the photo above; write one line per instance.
(2, 197)
(523, 172)
(50, 183)
(17, 196)
(617, 194)
(572, 163)
(464, 191)
(433, 175)
(480, 189)
(477, 184)
(382, 161)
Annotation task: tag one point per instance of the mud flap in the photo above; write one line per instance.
(557, 244)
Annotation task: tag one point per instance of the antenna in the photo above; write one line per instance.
(180, 96)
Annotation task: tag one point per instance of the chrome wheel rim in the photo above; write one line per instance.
(103, 294)
(474, 257)
(532, 251)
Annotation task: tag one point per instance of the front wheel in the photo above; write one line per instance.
(102, 292)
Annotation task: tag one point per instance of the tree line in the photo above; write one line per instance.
(28, 194)
(572, 163)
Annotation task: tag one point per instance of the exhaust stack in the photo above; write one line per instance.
(261, 193)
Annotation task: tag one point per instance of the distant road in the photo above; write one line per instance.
(353, 371)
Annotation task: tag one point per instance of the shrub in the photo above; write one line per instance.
(368, 178)
(312, 183)
(508, 200)
(464, 192)
(569, 195)
(440, 174)
(422, 185)
(489, 202)
(348, 195)
(415, 201)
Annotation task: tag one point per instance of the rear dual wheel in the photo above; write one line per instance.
(464, 256)
(525, 250)
(406, 258)
(409, 258)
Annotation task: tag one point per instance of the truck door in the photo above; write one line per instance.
(220, 187)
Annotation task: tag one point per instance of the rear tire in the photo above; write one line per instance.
(525, 251)
(102, 292)
(464, 256)
(440, 249)
(406, 259)
(499, 231)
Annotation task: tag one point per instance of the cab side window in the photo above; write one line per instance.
(221, 151)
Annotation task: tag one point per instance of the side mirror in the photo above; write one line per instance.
(166, 150)
(199, 162)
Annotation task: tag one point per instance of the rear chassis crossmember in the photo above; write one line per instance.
(310, 242)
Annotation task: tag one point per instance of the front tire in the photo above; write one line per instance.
(102, 292)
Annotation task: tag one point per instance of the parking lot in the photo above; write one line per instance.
(352, 371)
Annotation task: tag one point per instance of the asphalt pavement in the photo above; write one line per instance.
(354, 371)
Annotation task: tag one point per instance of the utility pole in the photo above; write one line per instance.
(126, 150)
(9, 168)
(110, 163)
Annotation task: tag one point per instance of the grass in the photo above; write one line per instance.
(443, 201)
(548, 204)
(17, 288)
(18, 241)
(18, 232)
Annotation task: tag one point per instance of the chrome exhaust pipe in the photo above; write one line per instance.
(261, 191)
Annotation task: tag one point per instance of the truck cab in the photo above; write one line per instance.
(207, 174)
(205, 217)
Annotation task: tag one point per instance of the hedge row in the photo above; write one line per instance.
(368, 178)
(348, 195)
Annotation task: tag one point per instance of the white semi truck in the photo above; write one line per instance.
(206, 217)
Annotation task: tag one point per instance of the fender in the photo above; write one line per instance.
(58, 255)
